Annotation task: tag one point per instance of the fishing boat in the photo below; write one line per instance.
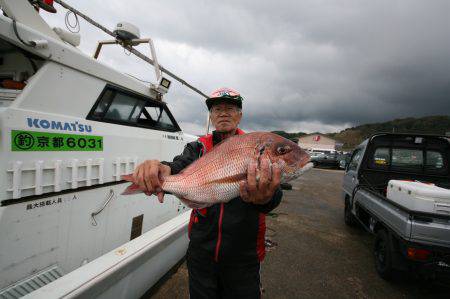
(71, 126)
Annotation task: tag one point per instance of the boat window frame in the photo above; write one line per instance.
(137, 96)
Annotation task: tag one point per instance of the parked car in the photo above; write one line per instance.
(315, 155)
(329, 159)
(410, 219)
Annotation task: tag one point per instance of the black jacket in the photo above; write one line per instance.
(233, 231)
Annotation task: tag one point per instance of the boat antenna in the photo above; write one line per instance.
(129, 47)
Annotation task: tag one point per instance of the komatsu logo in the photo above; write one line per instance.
(57, 125)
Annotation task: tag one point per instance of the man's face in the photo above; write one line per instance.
(225, 117)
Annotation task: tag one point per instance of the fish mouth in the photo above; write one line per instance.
(307, 167)
(286, 177)
(304, 161)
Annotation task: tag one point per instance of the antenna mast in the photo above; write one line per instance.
(130, 47)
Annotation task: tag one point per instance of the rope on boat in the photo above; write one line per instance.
(129, 47)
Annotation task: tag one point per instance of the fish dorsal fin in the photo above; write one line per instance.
(226, 149)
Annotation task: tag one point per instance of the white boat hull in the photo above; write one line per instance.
(127, 271)
(61, 167)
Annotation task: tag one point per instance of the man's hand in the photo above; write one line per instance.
(260, 192)
(148, 175)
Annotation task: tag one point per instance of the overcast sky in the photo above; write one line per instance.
(305, 65)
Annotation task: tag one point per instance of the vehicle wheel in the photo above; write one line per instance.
(286, 186)
(349, 218)
(383, 255)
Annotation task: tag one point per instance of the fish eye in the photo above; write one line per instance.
(281, 150)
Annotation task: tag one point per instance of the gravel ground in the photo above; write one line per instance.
(316, 255)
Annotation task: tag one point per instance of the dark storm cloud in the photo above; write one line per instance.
(383, 62)
(301, 65)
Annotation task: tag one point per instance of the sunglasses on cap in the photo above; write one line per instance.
(224, 92)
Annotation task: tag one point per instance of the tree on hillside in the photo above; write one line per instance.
(351, 137)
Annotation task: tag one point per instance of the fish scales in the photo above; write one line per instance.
(215, 176)
(214, 182)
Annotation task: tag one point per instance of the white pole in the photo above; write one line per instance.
(207, 123)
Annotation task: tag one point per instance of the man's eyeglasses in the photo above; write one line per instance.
(218, 109)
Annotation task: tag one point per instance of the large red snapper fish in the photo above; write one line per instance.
(215, 177)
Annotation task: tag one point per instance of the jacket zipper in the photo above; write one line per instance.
(219, 237)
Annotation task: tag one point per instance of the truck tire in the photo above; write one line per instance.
(285, 186)
(383, 255)
(349, 218)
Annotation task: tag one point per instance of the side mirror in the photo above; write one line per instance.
(346, 166)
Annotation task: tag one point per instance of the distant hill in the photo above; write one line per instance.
(292, 136)
(351, 137)
(427, 125)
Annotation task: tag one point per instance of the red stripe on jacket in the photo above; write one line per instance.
(261, 237)
(207, 145)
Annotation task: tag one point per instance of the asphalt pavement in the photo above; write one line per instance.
(313, 254)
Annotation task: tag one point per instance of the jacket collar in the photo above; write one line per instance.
(217, 137)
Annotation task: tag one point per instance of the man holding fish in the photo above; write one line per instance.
(230, 189)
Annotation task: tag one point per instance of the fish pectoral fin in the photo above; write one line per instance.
(263, 144)
(230, 179)
(194, 204)
(127, 177)
(260, 148)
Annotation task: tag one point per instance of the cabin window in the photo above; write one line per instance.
(125, 108)
(120, 109)
(102, 105)
(155, 115)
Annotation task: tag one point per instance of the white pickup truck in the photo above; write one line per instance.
(407, 239)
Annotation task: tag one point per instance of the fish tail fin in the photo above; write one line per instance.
(132, 189)
(127, 177)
